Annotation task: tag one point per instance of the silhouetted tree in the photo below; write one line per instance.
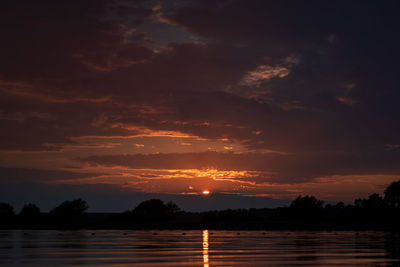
(373, 208)
(339, 211)
(340, 205)
(70, 213)
(359, 203)
(6, 213)
(375, 202)
(29, 214)
(155, 209)
(392, 194)
(306, 207)
(30, 210)
(172, 208)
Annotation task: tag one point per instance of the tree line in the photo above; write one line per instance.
(305, 212)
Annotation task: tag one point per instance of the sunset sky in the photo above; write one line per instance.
(116, 99)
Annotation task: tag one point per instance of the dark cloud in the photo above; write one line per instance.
(290, 22)
(338, 43)
(22, 175)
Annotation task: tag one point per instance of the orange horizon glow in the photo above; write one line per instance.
(206, 192)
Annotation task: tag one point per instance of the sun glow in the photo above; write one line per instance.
(206, 192)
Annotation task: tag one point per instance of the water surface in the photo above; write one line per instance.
(199, 248)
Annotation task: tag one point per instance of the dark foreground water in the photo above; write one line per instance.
(198, 248)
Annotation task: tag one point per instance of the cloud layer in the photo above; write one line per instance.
(295, 92)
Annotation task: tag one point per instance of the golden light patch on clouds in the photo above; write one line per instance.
(185, 144)
(262, 73)
(223, 174)
(125, 176)
(254, 84)
(152, 141)
(163, 141)
(142, 131)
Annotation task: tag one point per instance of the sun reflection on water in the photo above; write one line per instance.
(205, 248)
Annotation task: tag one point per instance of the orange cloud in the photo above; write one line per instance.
(264, 72)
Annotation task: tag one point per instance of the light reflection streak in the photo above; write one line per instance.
(205, 248)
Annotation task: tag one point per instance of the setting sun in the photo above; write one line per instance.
(206, 192)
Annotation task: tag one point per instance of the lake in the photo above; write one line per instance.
(199, 248)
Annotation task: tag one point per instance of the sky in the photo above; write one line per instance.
(255, 101)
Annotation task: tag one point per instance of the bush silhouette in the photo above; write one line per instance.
(392, 194)
(70, 212)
